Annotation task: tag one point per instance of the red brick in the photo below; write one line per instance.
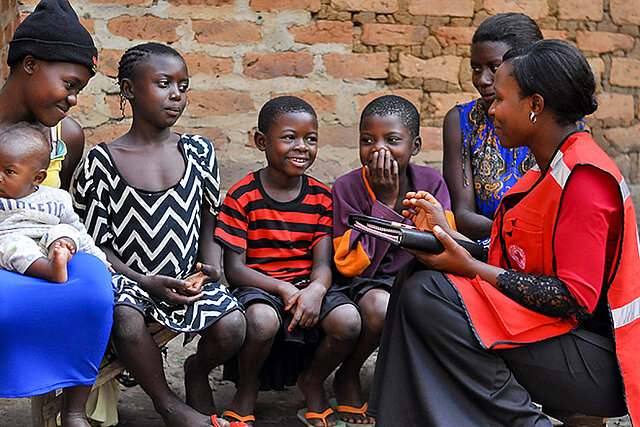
(581, 10)
(448, 36)
(339, 136)
(226, 31)
(445, 68)
(625, 139)
(357, 65)
(201, 2)
(598, 68)
(139, 3)
(85, 104)
(89, 24)
(271, 5)
(442, 7)
(393, 34)
(601, 42)
(441, 103)
(625, 72)
(554, 34)
(616, 107)
(431, 138)
(277, 64)
(625, 11)
(4, 6)
(144, 28)
(104, 133)
(535, 9)
(202, 62)
(321, 103)
(413, 95)
(206, 103)
(377, 6)
(215, 135)
(113, 102)
(108, 60)
(324, 32)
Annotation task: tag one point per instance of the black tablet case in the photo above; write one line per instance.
(406, 236)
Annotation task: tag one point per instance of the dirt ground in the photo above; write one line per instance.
(274, 409)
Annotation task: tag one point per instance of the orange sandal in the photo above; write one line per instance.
(214, 421)
(239, 419)
(362, 411)
(305, 416)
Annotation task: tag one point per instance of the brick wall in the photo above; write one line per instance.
(9, 19)
(338, 55)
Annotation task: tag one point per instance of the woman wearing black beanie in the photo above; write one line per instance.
(53, 335)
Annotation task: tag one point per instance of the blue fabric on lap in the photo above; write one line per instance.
(53, 335)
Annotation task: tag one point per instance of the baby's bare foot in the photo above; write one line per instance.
(60, 253)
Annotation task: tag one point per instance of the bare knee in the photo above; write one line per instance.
(128, 325)
(229, 330)
(343, 323)
(373, 307)
(262, 322)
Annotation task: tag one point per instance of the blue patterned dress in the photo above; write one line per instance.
(155, 232)
(494, 168)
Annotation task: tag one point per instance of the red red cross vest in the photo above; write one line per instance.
(527, 232)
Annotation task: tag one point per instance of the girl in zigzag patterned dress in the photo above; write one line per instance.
(150, 200)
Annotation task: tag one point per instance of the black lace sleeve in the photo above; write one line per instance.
(543, 294)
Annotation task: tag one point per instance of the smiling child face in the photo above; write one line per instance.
(291, 143)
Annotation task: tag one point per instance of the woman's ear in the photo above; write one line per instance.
(536, 104)
(260, 140)
(126, 88)
(416, 145)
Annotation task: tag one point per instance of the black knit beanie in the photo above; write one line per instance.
(52, 32)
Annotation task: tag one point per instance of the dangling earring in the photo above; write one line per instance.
(532, 117)
(123, 104)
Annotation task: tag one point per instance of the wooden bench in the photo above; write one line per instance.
(46, 407)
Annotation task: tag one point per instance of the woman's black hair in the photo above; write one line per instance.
(559, 72)
(279, 106)
(136, 54)
(393, 105)
(514, 29)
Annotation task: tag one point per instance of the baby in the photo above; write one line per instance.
(39, 231)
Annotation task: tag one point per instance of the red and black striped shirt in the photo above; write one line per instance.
(278, 237)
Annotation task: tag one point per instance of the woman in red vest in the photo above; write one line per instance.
(554, 316)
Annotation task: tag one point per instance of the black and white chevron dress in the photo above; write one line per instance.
(155, 232)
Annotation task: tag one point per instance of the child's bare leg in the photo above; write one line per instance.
(262, 327)
(342, 328)
(373, 308)
(74, 401)
(53, 268)
(141, 356)
(217, 344)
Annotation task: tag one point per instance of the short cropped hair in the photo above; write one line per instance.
(29, 140)
(276, 107)
(514, 29)
(393, 105)
(559, 72)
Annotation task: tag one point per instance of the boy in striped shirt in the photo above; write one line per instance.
(276, 229)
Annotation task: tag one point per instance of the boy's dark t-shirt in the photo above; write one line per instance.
(278, 237)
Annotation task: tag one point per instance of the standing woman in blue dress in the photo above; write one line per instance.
(477, 168)
(53, 335)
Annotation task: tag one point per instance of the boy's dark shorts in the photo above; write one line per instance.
(356, 287)
(248, 295)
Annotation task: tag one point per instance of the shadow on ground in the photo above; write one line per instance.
(274, 409)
